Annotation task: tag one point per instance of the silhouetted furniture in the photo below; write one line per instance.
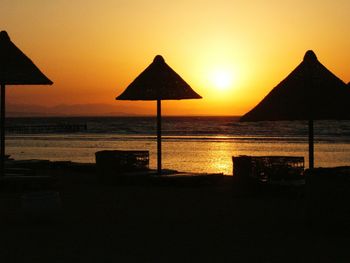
(283, 170)
(15, 69)
(158, 82)
(311, 92)
(111, 164)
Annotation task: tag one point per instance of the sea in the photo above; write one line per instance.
(189, 144)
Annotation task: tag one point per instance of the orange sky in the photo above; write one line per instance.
(93, 49)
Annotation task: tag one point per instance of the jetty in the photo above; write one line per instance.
(56, 128)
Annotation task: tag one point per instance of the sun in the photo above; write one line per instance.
(222, 79)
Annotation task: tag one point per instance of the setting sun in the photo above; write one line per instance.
(222, 79)
(232, 53)
(133, 129)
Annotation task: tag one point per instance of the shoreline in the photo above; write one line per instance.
(148, 222)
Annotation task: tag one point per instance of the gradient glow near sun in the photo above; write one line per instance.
(221, 79)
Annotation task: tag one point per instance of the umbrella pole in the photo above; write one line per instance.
(159, 137)
(311, 144)
(2, 130)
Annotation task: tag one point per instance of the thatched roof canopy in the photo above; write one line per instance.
(158, 81)
(15, 67)
(311, 91)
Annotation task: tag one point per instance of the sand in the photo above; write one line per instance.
(157, 222)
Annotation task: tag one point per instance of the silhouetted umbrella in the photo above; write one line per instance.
(311, 92)
(158, 82)
(15, 69)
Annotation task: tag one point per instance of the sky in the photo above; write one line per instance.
(232, 52)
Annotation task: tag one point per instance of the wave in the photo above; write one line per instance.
(197, 138)
(183, 128)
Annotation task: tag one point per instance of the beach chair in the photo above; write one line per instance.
(280, 170)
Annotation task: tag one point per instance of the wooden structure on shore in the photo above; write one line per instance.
(158, 82)
(15, 69)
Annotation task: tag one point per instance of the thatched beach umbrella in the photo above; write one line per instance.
(311, 92)
(158, 82)
(15, 69)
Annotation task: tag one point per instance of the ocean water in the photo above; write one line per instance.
(192, 144)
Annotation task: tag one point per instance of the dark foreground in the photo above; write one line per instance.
(165, 222)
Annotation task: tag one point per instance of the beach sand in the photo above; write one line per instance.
(156, 222)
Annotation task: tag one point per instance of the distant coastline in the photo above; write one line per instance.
(66, 110)
(85, 110)
(38, 115)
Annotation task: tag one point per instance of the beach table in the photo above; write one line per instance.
(116, 164)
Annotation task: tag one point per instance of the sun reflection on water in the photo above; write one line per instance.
(200, 155)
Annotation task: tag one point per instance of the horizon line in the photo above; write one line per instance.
(122, 116)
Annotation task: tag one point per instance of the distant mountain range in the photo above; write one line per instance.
(30, 110)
